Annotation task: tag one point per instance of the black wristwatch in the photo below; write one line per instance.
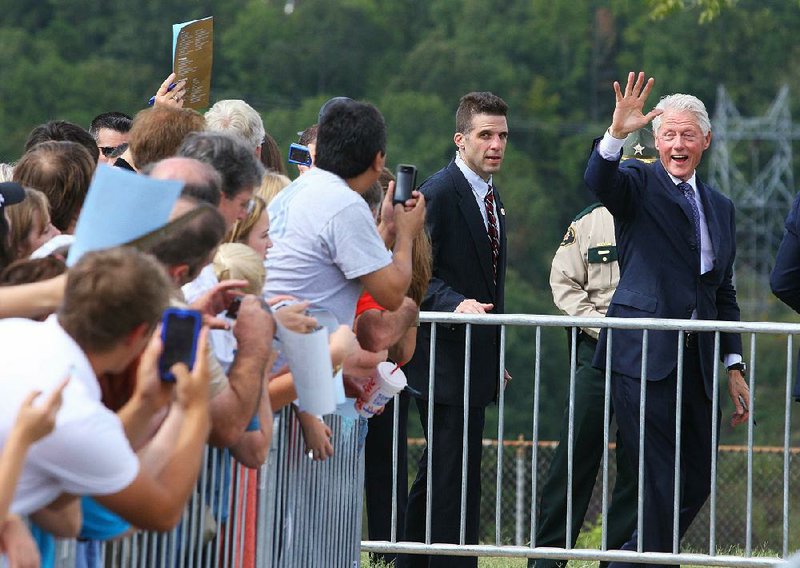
(741, 367)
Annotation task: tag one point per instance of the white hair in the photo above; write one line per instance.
(689, 103)
(234, 116)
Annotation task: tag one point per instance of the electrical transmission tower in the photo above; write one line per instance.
(751, 162)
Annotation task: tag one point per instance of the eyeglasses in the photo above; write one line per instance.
(113, 151)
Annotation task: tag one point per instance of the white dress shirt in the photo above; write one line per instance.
(480, 187)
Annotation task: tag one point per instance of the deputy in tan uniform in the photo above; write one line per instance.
(583, 278)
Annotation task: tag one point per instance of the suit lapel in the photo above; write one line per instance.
(474, 221)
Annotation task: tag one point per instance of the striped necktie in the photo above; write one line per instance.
(688, 193)
(493, 229)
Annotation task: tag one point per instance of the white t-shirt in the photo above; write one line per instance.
(324, 238)
(87, 453)
(204, 282)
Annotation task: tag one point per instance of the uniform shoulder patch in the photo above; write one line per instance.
(588, 210)
(569, 237)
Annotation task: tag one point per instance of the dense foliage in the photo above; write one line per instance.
(553, 61)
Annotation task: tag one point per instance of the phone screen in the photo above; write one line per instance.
(406, 179)
(179, 338)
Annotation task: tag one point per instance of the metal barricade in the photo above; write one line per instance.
(744, 555)
(291, 512)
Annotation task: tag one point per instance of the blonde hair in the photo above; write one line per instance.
(239, 261)
(240, 231)
(271, 185)
(22, 216)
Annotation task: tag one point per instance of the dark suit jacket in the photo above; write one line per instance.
(660, 265)
(785, 277)
(462, 268)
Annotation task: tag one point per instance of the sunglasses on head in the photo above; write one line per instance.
(113, 151)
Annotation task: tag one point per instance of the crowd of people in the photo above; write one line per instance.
(90, 431)
(112, 445)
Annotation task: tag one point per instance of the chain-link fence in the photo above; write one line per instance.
(731, 495)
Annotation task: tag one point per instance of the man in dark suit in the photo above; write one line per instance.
(676, 240)
(466, 222)
(785, 277)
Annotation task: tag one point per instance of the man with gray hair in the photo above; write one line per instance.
(236, 117)
(676, 239)
(237, 164)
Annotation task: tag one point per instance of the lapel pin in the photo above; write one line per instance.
(502, 211)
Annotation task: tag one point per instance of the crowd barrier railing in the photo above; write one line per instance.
(290, 512)
(745, 555)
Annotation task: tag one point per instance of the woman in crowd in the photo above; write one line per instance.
(31, 226)
(253, 231)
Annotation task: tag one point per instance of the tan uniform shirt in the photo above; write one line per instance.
(585, 271)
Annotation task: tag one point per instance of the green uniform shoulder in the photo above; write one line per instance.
(586, 211)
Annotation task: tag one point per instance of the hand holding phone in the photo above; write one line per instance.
(299, 154)
(406, 181)
(179, 334)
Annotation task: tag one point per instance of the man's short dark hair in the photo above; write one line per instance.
(350, 135)
(309, 135)
(109, 294)
(62, 131)
(193, 243)
(117, 121)
(474, 103)
(230, 156)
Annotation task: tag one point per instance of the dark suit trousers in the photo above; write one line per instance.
(587, 457)
(448, 431)
(378, 473)
(659, 449)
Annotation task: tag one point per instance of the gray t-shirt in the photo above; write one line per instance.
(324, 238)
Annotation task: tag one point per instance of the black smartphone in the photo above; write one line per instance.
(405, 183)
(299, 154)
(179, 332)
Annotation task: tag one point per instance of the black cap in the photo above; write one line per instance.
(10, 193)
(329, 103)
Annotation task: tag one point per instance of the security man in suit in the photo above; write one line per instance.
(583, 277)
(785, 277)
(677, 244)
(466, 222)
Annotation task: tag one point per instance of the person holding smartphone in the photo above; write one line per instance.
(89, 452)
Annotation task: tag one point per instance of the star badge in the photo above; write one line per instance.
(638, 150)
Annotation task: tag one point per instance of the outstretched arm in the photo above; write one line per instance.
(628, 115)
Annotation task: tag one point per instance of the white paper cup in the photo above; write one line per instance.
(387, 382)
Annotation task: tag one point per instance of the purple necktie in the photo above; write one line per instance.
(688, 193)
